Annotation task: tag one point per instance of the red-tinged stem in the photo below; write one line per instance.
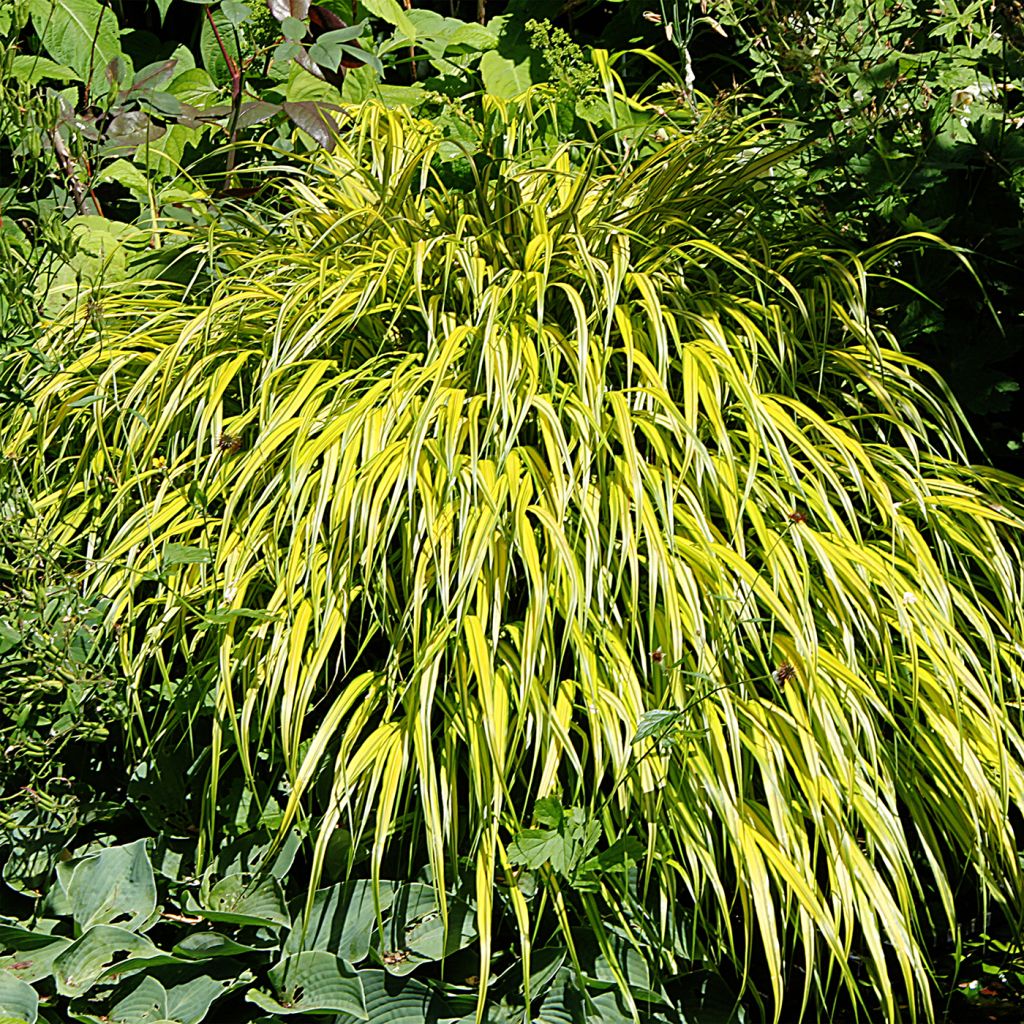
(235, 72)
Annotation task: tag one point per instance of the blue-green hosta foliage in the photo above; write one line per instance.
(128, 934)
(439, 492)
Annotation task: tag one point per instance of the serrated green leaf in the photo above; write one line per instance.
(548, 812)
(534, 847)
(623, 852)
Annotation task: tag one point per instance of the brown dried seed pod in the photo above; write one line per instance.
(784, 673)
(229, 444)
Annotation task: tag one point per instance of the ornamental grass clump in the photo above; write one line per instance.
(438, 491)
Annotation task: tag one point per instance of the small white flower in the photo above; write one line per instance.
(909, 598)
(963, 98)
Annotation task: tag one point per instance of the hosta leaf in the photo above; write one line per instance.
(313, 982)
(247, 855)
(16, 936)
(114, 886)
(399, 1001)
(341, 921)
(238, 901)
(190, 1001)
(98, 953)
(208, 945)
(426, 937)
(145, 1004)
(17, 999)
(32, 964)
(562, 1002)
(187, 1003)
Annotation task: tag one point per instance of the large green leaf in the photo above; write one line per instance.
(248, 854)
(83, 34)
(186, 1003)
(31, 69)
(417, 931)
(34, 963)
(100, 953)
(17, 999)
(209, 945)
(505, 77)
(391, 1000)
(216, 46)
(237, 899)
(391, 12)
(114, 886)
(342, 920)
(313, 982)
(16, 936)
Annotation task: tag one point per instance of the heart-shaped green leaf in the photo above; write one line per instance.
(114, 886)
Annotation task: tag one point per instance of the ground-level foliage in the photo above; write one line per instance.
(541, 527)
